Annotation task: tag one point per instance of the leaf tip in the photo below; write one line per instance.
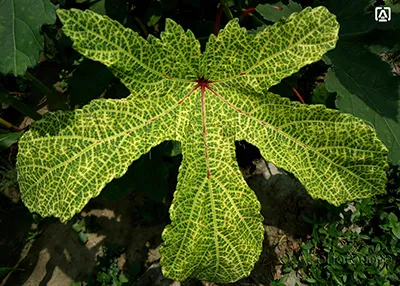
(171, 25)
(60, 12)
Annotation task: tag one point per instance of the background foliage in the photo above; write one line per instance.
(358, 247)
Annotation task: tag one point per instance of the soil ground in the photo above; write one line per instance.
(57, 257)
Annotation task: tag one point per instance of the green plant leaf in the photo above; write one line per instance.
(394, 5)
(7, 139)
(79, 226)
(153, 13)
(363, 73)
(322, 96)
(310, 280)
(388, 129)
(278, 11)
(392, 219)
(367, 76)
(396, 230)
(123, 278)
(206, 102)
(115, 9)
(82, 237)
(358, 17)
(97, 6)
(20, 40)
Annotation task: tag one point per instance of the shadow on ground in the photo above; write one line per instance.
(57, 257)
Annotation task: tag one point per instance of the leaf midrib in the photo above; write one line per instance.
(125, 133)
(122, 133)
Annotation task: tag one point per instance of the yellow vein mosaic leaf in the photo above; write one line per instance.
(206, 101)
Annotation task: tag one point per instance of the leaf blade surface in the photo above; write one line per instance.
(197, 99)
(143, 66)
(20, 40)
(7, 139)
(386, 128)
(263, 60)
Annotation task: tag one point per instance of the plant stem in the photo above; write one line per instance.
(20, 106)
(281, 239)
(296, 93)
(38, 84)
(218, 18)
(255, 18)
(54, 99)
(142, 26)
(247, 11)
(41, 86)
(228, 13)
(8, 125)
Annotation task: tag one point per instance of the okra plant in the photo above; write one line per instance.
(206, 101)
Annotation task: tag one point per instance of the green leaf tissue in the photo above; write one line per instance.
(206, 101)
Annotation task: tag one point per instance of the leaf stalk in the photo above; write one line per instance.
(20, 106)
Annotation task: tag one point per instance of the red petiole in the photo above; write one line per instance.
(250, 10)
(218, 18)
